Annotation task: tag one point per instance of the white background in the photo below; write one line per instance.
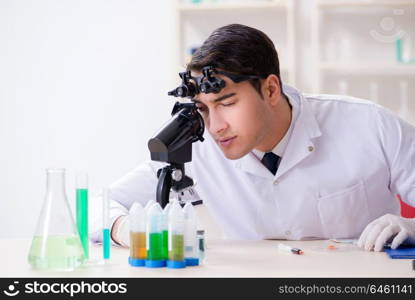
(83, 85)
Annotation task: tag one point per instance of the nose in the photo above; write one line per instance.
(216, 123)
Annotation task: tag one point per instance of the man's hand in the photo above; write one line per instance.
(386, 228)
(120, 232)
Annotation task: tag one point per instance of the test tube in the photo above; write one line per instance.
(190, 237)
(137, 236)
(82, 210)
(201, 246)
(154, 237)
(176, 229)
(165, 231)
(106, 226)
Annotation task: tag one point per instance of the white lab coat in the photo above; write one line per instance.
(345, 161)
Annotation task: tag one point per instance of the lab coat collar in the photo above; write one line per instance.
(300, 145)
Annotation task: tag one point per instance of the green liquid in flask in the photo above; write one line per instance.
(56, 253)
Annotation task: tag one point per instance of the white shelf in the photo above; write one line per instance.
(369, 68)
(353, 68)
(364, 3)
(232, 6)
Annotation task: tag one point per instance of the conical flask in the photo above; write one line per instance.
(56, 245)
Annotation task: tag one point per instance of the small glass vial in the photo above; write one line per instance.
(201, 245)
(190, 238)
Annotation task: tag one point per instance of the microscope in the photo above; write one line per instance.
(173, 142)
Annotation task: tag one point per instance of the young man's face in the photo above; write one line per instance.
(237, 117)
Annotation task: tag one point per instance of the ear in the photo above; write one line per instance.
(272, 89)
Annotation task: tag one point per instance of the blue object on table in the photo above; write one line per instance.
(401, 252)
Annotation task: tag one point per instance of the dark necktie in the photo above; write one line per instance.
(271, 161)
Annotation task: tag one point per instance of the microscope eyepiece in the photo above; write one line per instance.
(207, 83)
(184, 91)
(214, 85)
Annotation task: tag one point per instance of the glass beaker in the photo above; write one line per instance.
(405, 49)
(56, 245)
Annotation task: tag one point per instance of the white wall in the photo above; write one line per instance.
(83, 85)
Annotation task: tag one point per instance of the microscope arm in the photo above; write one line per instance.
(164, 186)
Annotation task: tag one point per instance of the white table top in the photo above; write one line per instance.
(226, 258)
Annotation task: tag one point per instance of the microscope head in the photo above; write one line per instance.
(173, 142)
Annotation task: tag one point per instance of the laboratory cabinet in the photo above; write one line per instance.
(366, 49)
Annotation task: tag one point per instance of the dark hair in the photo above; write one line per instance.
(238, 49)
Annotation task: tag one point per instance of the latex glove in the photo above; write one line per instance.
(122, 232)
(386, 228)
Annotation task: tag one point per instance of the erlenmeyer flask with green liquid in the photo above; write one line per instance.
(56, 245)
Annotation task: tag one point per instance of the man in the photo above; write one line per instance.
(279, 164)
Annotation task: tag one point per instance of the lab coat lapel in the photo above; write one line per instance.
(300, 144)
(251, 164)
